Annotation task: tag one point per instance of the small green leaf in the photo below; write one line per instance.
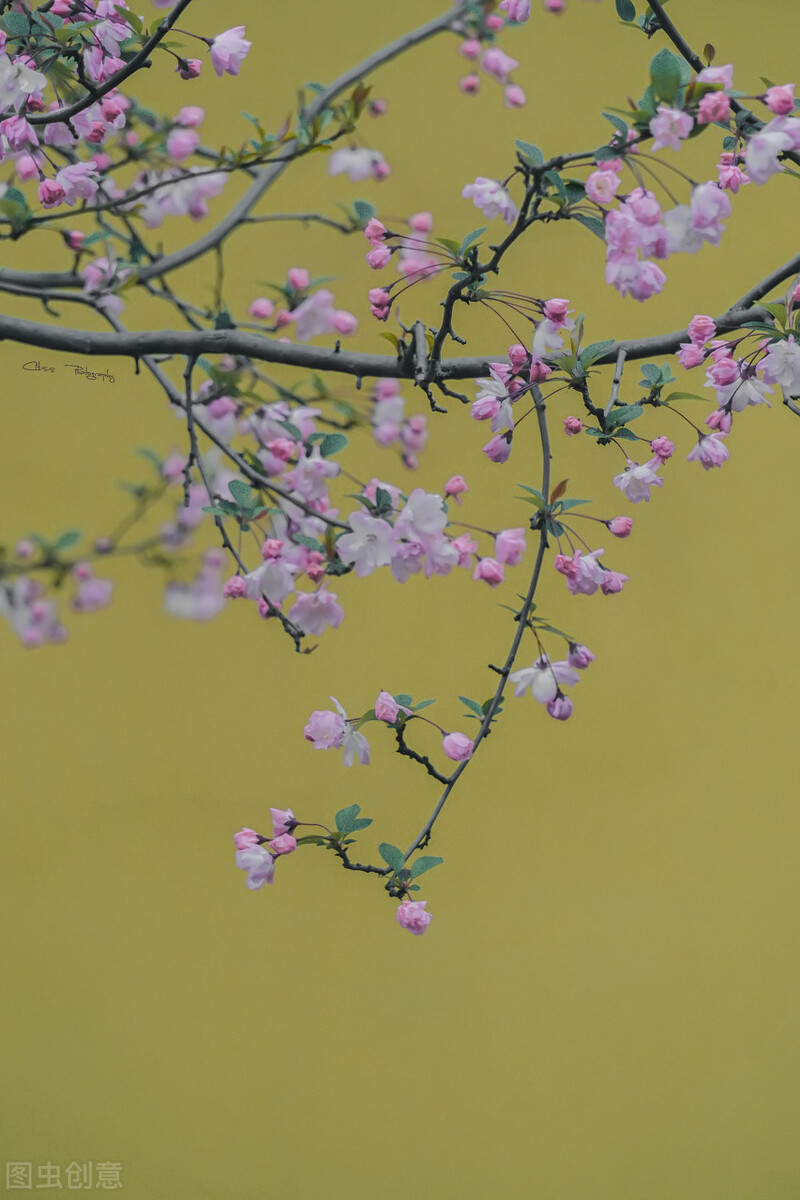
(594, 351)
(594, 223)
(469, 239)
(424, 864)
(473, 705)
(449, 245)
(67, 540)
(361, 823)
(682, 396)
(333, 443)
(606, 153)
(651, 372)
(626, 10)
(422, 704)
(404, 699)
(622, 415)
(364, 210)
(346, 816)
(391, 856)
(17, 24)
(531, 154)
(242, 492)
(667, 75)
(567, 504)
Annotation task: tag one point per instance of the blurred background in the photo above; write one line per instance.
(605, 1005)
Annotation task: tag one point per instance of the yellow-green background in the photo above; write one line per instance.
(605, 1006)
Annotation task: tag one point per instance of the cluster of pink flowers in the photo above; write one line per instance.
(32, 616)
(256, 854)
(412, 256)
(492, 198)
(313, 312)
(493, 61)
(584, 573)
(390, 425)
(638, 231)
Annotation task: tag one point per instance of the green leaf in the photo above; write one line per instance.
(626, 10)
(627, 435)
(594, 223)
(17, 24)
(449, 245)
(594, 351)
(361, 823)
(682, 396)
(469, 239)
(778, 311)
(391, 856)
(606, 153)
(555, 181)
(309, 542)
(473, 705)
(404, 699)
(346, 816)
(567, 504)
(531, 154)
(651, 372)
(67, 540)
(223, 320)
(291, 429)
(666, 73)
(424, 864)
(729, 143)
(364, 210)
(422, 704)
(621, 416)
(618, 123)
(242, 493)
(333, 443)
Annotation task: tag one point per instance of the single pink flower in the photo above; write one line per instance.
(620, 526)
(457, 746)
(573, 426)
(229, 50)
(490, 571)
(780, 99)
(412, 916)
(282, 821)
(284, 844)
(245, 837)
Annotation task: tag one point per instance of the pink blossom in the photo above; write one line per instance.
(235, 588)
(719, 75)
(191, 116)
(620, 526)
(573, 426)
(509, 546)
(357, 163)
(491, 198)
(283, 821)
(314, 611)
(455, 487)
(469, 84)
(421, 222)
(258, 863)
(557, 310)
(613, 581)
(544, 678)
(636, 481)
(284, 844)
(189, 68)
(498, 64)
(763, 149)
(780, 99)
(51, 193)
(378, 257)
(245, 837)
(516, 10)
(601, 186)
(701, 329)
(731, 176)
(640, 279)
(709, 204)
(560, 707)
(539, 370)
(781, 365)
(92, 595)
(229, 50)
(710, 451)
(691, 354)
(499, 448)
(720, 420)
(514, 96)
(583, 572)
(470, 48)
(369, 546)
(714, 106)
(663, 448)
(325, 729)
(261, 308)
(518, 356)
(386, 708)
(181, 143)
(669, 127)
(345, 322)
(465, 546)
(457, 746)
(580, 656)
(375, 231)
(490, 571)
(316, 315)
(412, 916)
